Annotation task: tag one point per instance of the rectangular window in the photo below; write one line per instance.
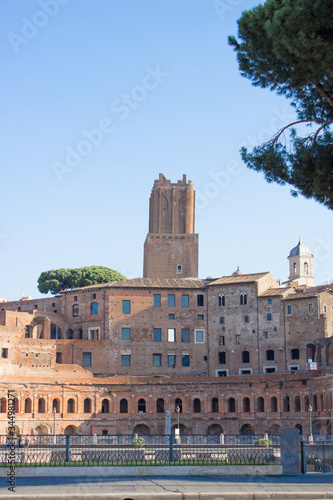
(289, 310)
(185, 334)
(246, 319)
(157, 335)
(237, 339)
(59, 357)
(179, 269)
(200, 316)
(200, 300)
(157, 300)
(185, 300)
(94, 296)
(94, 334)
(269, 301)
(265, 335)
(243, 371)
(171, 300)
(222, 341)
(75, 310)
(125, 360)
(221, 373)
(269, 369)
(126, 306)
(86, 359)
(94, 308)
(126, 334)
(75, 298)
(293, 368)
(171, 335)
(185, 360)
(171, 360)
(222, 358)
(4, 352)
(157, 360)
(171, 316)
(199, 336)
(222, 320)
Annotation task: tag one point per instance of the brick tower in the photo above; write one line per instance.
(171, 247)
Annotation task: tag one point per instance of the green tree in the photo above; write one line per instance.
(56, 280)
(286, 46)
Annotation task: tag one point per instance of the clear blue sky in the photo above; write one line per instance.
(159, 79)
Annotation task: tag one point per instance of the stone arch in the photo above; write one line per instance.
(246, 405)
(300, 428)
(214, 430)
(71, 406)
(56, 332)
(274, 404)
(316, 428)
(27, 405)
(141, 430)
(41, 405)
(87, 405)
(196, 405)
(71, 429)
(183, 430)
(70, 334)
(142, 406)
(105, 406)
(160, 405)
(179, 402)
(247, 430)
(3, 405)
(42, 429)
(56, 405)
(123, 406)
(274, 429)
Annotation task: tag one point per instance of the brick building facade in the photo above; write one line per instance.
(231, 352)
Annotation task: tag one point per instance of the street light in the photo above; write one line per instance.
(310, 416)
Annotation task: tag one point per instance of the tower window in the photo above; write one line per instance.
(126, 307)
(306, 268)
(245, 357)
(185, 300)
(94, 308)
(221, 300)
(171, 300)
(243, 299)
(295, 268)
(157, 335)
(157, 299)
(269, 301)
(200, 300)
(179, 269)
(289, 309)
(270, 355)
(269, 317)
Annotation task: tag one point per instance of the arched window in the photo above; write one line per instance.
(306, 268)
(160, 405)
(273, 404)
(16, 404)
(245, 357)
(3, 405)
(321, 402)
(28, 332)
(289, 309)
(56, 405)
(300, 428)
(295, 268)
(270, 355)
(41, 405)
(196, 405)
(71, 406)
(306, 403)
(80, 334)
(94, 308)
(246, 405)
(123, 406)
(295, 354)
(260, 404)
(142, 405)
(27, 405)
(221, 300)
(75, 310)
(297, 403)
(70, 334)
(231, 405)
(269, 316)
(105, 406)
(243, 299)
(315, 403)
(286, 403)
(214, 405)
(179, 403)
(87, 405)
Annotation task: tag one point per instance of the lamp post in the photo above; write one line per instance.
(54, 411)
(177, 431)
(310, 417)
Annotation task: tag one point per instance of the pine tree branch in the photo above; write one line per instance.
(325, 94)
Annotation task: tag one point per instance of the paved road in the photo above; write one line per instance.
(302, 487)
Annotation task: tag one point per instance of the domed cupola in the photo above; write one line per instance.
(301, 264)
(238, 272)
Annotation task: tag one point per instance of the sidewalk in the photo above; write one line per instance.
(302, 487)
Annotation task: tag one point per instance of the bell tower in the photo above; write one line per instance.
(171, 246)
(301, 265)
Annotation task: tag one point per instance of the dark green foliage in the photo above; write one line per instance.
(286, 45)
(56, 280)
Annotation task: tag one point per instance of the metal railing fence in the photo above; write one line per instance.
(317, 456)
(60, 450)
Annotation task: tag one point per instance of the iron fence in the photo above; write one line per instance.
(125, 450)
(317, 456)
